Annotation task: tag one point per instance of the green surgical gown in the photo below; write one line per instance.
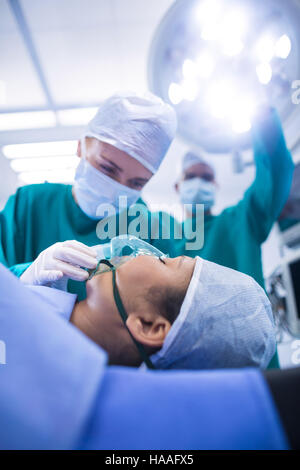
(234, 237)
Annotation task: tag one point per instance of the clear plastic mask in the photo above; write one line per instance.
(122, 249)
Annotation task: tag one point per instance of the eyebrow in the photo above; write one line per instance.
(139, 179)
(112, 163)
(193, 174)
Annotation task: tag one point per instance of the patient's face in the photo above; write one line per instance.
(134, 279)
(138, 275)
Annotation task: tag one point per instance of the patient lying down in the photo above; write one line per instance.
(182, 313)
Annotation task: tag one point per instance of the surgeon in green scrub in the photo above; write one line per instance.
(234, 237)
(47, 231)
(290, 214)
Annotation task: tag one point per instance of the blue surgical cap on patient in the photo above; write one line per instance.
(225, 320)
(141, 125)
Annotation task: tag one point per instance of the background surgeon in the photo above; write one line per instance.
(234, 237)
(122, 148)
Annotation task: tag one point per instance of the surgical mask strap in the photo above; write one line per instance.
(124, 316)
(94, 272)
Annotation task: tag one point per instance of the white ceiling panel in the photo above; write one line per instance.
(55, 15)
(133, 48)
(59, 15)
(80, 68)
(135, 11)
(7, 22)
(87, 48)
(21, 86)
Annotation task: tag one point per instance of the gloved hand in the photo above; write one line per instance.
(60, 262)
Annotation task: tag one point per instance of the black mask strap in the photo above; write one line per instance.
(124, 316)
(93, 272)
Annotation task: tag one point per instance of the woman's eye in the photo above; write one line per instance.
(162, 261)
(108, 169)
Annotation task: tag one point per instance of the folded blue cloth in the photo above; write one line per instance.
(223, 409)
(51, 376)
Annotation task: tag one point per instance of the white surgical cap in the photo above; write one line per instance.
(142, 126)
(192, 158)
(225, 321)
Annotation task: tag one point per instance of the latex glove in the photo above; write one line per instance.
(59, 263)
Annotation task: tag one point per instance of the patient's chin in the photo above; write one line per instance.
(92, 284)
(97, 283)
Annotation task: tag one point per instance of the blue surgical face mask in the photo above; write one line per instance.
(93, 188)
(198, 191)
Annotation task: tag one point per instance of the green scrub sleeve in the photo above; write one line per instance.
(274, 171)
(18, 269)
(11, 234)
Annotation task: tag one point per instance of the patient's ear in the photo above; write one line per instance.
(149, 329)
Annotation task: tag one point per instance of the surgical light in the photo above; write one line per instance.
(241, 113)
(264, 73)
(189, 89)
(241, 125)
(219, 98)
(210, 32)
(234, 24)
(208, 15)
(230, 27)
(205, 64)
(283, 47)
(265, 49)
(232, 31)
(175, 93)
(208, 57)
(208, 11)
(225, 101)
(189, 69)
(232, 47)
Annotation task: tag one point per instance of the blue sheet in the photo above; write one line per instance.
(52, 375)
(185, 410)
